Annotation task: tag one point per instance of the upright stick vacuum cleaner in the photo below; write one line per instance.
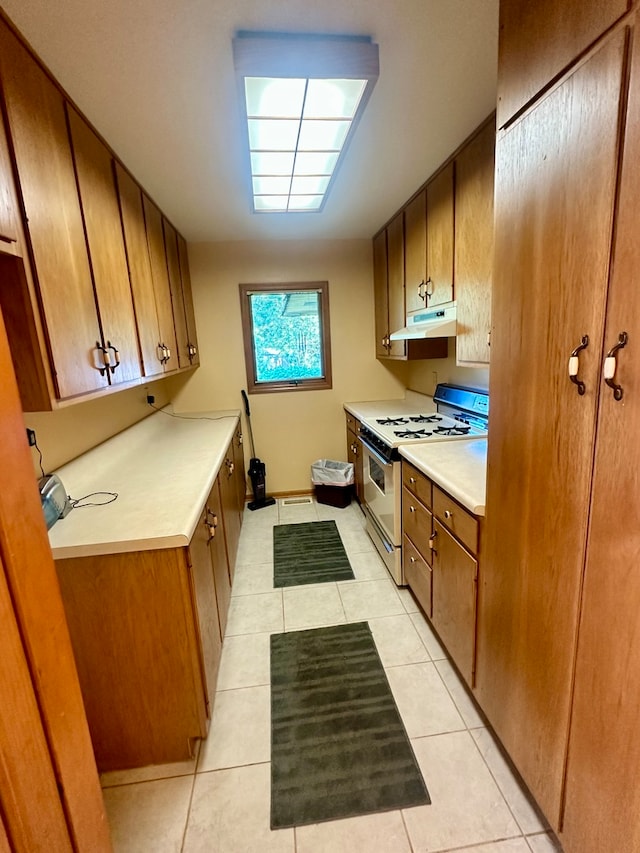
(257, 469)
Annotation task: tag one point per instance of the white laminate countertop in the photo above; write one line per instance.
(162, 468)
(459, 467)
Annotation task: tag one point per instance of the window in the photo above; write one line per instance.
(287, 345)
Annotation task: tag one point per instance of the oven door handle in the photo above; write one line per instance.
(374, 452)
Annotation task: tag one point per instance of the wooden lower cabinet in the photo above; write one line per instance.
(135, 636)
(147, 629)
(455, 597)
(418, 574)
(354, 455)
(440, 547)
(230, 512)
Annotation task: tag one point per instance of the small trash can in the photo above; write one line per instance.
(333, 482)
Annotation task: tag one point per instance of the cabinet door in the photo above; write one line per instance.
(418, 574)
(239, 471)
(395, 266)
(354, 456)
(473, 262)
(555, 188)
(38, 129)
(455, 594)
(538, 40)
(190, 315)
(604, 747)
(415, 251)
(381, 293)
(8, 207)
(229, 496)
(105, 241)
(137, 249)
(206, 600)
(161, 287)
(218, 552)
(440, 237)
(177, 301)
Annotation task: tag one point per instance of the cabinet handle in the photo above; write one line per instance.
(422, 294)
(429, 288)
(212, 531)
(230, 466)
(214, 518)
(448, 513)
(611, 365)
(574, 364)
(191, 351)
(489, 338)
(106, 358)
(166, 353)
(116, 356)
(432, 540)
(240, 440)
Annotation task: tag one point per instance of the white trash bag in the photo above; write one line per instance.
(327, 472)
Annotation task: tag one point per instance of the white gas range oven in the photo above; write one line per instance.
(460, 413)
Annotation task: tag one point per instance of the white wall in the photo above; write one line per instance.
(291, 429)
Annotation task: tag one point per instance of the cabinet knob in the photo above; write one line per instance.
(448, 513)
(412, 480)
(412, 559)
(412, 509)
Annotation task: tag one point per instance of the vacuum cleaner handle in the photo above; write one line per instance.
(246, 403)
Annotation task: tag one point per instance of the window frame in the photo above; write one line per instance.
(321, 384)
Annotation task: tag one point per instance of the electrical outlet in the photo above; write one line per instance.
(31, 437)
(150, 399)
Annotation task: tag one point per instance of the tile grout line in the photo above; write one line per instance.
(186, 823)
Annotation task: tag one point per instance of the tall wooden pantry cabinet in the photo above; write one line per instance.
(559, 638)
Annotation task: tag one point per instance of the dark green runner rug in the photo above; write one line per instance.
(338, 746)
(311, 552)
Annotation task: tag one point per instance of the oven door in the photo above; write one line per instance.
(382, 493)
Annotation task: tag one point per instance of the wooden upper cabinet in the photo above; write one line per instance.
(473, 261)
(415, 251)
(38, 129)
(161, 286)
(190, 314)
(539, 40)
(380, 293)
(395, 267)
(8, 201)
(142, 289)
(105, 241)
(556, 173)
(439, 283)
(177, 300)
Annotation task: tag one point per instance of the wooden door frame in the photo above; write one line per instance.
(39, 616)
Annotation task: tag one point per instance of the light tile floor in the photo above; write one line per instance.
(219, 802)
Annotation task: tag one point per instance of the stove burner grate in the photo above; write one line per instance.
(391, 421)
(425, 419)
(452, 430)
(412, 433)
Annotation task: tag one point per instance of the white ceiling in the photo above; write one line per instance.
(156, 79)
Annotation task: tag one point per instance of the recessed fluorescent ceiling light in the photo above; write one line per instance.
(302, 97)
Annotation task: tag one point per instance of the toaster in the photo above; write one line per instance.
(54, 498)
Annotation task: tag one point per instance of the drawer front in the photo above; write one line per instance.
(456, 518)
(416, 523)
(417, 483)
(418, 574)
(353, 424)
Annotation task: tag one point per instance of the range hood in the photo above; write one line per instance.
(438, 322)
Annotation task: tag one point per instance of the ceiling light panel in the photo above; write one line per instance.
(302, 97)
